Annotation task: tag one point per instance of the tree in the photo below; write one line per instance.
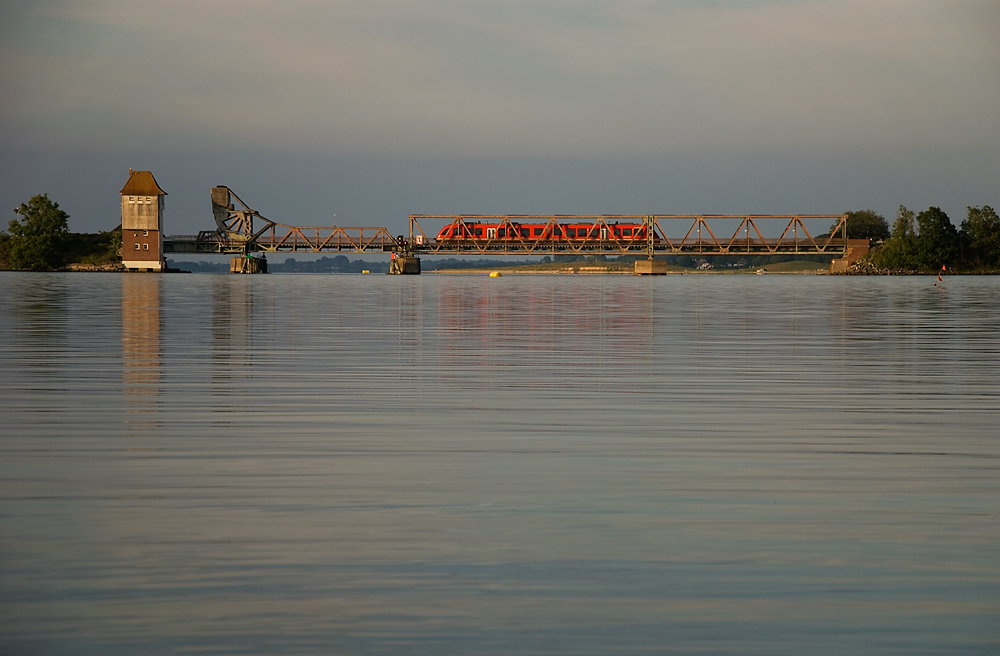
(865, 224)
(38, 240)
(981, 232)
(899, 251)
(937, 242)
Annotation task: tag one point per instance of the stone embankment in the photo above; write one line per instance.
(869, 269)
(79, 266)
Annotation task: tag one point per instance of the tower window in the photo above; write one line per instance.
(137, 247)
(145, 247)
(145, 233)
(131, 199)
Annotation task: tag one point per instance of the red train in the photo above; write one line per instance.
(472, 230)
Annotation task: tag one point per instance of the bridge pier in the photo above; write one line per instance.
(404, 265)
(248, 264)
(856, 249)
(650, 267)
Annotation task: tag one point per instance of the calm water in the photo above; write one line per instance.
(530, 465)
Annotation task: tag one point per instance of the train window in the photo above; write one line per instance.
(479, 232)
(538, 232)
(627, 232)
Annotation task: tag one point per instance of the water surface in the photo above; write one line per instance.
(535, 465)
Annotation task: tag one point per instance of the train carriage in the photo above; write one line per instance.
(465, 231)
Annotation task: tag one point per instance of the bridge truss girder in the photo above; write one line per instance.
(699, 238)
(243, 230)
(236, 232)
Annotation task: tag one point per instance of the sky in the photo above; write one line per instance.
(355, 113)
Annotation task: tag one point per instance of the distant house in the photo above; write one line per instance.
(142, 222)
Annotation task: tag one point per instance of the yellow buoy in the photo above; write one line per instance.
(494, 274)
(365, 271)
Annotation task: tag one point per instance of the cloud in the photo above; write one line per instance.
(460, 78)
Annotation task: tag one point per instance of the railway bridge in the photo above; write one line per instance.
(244, 232)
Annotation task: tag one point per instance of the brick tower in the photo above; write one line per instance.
(142, 222)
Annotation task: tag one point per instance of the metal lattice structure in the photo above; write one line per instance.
(651, 234)
(243, 230)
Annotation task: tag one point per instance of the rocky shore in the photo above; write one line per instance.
(869, 269)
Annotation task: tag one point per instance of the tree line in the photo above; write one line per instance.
(40, 240)
(929, 240)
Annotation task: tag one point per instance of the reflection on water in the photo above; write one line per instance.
(464, 464)
(232, 348)
(140, 351)
(232, 322)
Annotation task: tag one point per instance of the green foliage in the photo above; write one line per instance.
(865, 224)
(337, 264)
(115, 243)
(937, 239)
(981, 234)
(4, 250)
(37, 240)
(899, 251)
(94, 248)
(925, 241)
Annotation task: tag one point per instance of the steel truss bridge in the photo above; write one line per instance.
(661, 234)
(243, 230)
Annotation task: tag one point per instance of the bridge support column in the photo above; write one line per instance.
(248, 264)
(650, 267)
(404, 265)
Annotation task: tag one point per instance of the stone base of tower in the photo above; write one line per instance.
(154, 266)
